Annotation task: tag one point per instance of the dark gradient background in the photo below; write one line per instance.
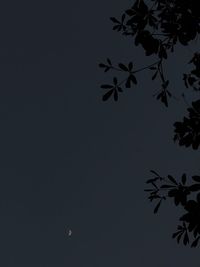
(70, 161)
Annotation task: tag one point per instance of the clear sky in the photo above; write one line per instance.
(70, 161)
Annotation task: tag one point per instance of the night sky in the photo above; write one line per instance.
(69, 160)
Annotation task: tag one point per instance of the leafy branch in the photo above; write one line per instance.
(168, 187)
(131, 79)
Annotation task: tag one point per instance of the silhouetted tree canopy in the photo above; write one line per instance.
(158, 26)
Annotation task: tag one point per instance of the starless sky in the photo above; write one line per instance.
(70, 161)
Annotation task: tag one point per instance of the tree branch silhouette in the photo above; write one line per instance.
(158, 27)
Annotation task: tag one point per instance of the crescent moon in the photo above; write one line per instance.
(69, 232)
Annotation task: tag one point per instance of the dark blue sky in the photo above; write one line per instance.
(70, 161)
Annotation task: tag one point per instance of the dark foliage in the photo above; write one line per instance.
(158, 26)
(164, 188)
(187, 133)
(193, 78)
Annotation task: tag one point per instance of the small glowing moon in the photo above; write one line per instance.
(69, 232)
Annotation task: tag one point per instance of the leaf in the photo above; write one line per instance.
(179, 237)
(186, 239)
(106, 86)
(180, 227)
(128, 83)
(115, 81)
(165, 84)
(167, 186)
(196, 178)
(109, 61)
(176, 201)
(191, 80)
(162, 53)
(152, 68)
(107, 95)
(117, 27)
(154, 76)
(185, 80)
(198, 198)
(130, 12)
(101, 65)
(123, 17)
(169, 94)
(155, 173)
(177, 233)
(172, 193)
(157, 206)
(119, 89)
(133, 79)
(123, 67)
(114, 20)
(148, 190)
(115, 95)
(172, 179)
(183, 179)
(195, 243)
(152, 180)
(130, 66)
(195, 232)
(154, 185)
(153, 197)
(194, 187)
(159, 96)
(107, 69)
(164, 99)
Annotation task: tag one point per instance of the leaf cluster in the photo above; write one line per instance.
(130, 79)
(168, 187)
(187, 132)
(114, 88)
(158, 26)
(193, 78)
